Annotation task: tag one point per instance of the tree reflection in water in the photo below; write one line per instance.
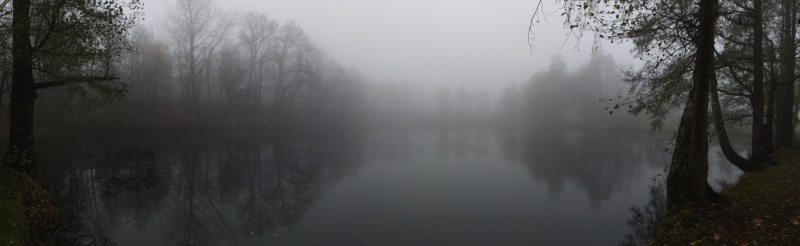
(123, 186)
(597, 162)
(188, 193)
(204, 197)
(196, 215)
(645, 218)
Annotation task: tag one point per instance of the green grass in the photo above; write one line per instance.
(760, 209)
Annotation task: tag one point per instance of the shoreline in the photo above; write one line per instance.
(759, 209)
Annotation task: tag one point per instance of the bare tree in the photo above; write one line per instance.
(231, 74)
(149, 64)
(157, 69)
(257, 29)
(224, 24)
(291, 66)
(191, 29)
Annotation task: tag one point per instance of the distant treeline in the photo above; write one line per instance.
(584, 99)
(211, 69)
(217, 69)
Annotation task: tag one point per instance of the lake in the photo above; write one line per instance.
(431, 186)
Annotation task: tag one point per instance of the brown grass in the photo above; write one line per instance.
(28, 215)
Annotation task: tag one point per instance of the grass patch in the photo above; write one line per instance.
(761, 209)
(27, 214)
(13, 222)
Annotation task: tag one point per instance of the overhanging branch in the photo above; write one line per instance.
(730, 93)
(54, 83)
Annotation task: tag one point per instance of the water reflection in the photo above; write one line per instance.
(461, 143)
(197, 196)
(644, 218)
(195, 209)
(132, 185)
(414, 187)
(600, 163)
(126, 186)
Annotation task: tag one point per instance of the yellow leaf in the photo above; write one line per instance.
(795, 222)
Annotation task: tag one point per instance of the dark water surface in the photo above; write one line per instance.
(403, 187)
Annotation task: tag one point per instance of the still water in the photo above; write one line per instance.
(398, 187)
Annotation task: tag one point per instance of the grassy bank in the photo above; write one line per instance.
(760, 209)
(27, 214)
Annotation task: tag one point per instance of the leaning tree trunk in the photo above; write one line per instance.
(724, 143)
(688, 171)
(20, 152)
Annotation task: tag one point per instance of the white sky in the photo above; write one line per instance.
(474, 43)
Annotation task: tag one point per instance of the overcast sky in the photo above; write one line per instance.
(475, 43)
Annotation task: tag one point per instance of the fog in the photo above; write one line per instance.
(475, 44)
(353, 122)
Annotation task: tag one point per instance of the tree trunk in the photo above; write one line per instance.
(770, 115)
(688, 172)
(724, 143)
(762, 146)
(796, 111)
(2, 90)
(784, 131)
(20, 152)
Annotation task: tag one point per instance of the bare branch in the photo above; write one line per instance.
(54, 83)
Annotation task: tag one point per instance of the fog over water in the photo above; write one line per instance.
(474, 43)
(361, 122)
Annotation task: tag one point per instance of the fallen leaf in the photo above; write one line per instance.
(716, 237)
(795, 222)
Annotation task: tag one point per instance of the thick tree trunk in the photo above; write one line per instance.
(762, 145)
(20, 152)
(724, 143)
(770, 126)
(2, 90)
(688, 172)
(784, 131)
(796, 111)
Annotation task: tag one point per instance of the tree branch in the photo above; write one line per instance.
(733, 93)
(54, 83)
(738, 118)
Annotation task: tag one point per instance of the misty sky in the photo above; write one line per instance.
(475, 43)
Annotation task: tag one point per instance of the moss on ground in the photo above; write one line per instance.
(27, 214)
(760, 209)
